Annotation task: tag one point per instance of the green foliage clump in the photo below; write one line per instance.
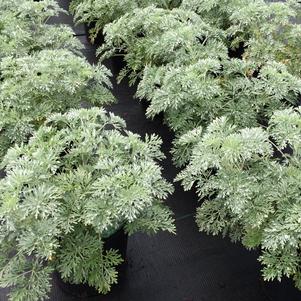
(23, 28)
(249, 182)
(41, 69)
(156, 36)
(47, 81)
(99, 13)
(267, 30)
(80, 177)
(195, 93)
(194, 71)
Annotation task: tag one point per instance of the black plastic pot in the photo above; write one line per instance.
(144, 104)
(117, 61)
(117, 241)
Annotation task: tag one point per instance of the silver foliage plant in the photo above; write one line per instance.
(81, 176)
(242, 62)
(42, 70)
(99, 13)
(74, 176)
(23, 28)
(249, 183)
(47, 81)
(247, 177)
(267, 29)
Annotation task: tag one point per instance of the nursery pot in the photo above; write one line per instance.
(117, 241)
(144, 104)
(117, 61)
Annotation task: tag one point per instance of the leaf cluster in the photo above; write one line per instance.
(24, 28)
(74, 176)
(194, 70)
(41, 70)
(80, 177)
(98, 13)
(268, 30)
(249, 181)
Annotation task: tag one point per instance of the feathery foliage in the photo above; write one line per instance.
(267, 30)
(41, 70)
(195, 70)
(81, 176)
(157, 36)
(249, 182)
(23, 28)
(98, 13)
(47, 81)
(239, 59)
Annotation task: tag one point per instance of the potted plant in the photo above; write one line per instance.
(260, 30)
(249, 183)
(80, 178)
(48, 81)
(30, 31)
(187, 69)
(193, 95)
(264, 30)
(155, 36)
(96, 13)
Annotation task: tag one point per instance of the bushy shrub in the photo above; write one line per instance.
(156, 36)
(267, 30)
(80, 177)
(241, 60)
(193, 72)
(249, 182)
(47, 81)
(195, 94)
(98, 13)
(23, 28)
(41, 70)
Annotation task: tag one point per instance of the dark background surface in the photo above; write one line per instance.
(189, 266)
